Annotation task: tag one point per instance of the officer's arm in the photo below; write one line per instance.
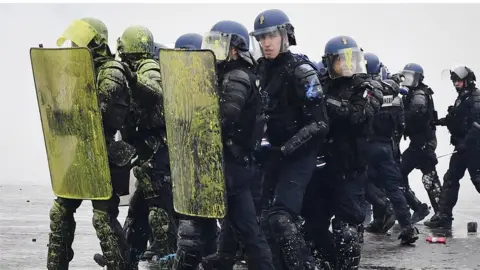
(474, 132)
(149, 81)
(308, 83)
(398, 103)
(362, 108)
(236, 87)
(113, 94)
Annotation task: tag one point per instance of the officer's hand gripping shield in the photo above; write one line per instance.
(193, 132)
(71, 122)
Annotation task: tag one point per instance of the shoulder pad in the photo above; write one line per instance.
(419, 92)
(376, 84)
(113, 64)
(112, 70)
(307, 78)
(238, 75)
(427, 90)
(304, 70)
(147, 65)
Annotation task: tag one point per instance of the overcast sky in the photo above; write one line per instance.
(437, 36)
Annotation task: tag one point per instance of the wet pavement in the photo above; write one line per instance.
(24, 236)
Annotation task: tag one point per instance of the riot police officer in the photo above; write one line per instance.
(383, 171)
(383, 212)
(113, 98)
(462, 121)
(242, 132)
(239, 108)
(352, 100)
(419, 114)
(151, 204)
(296, 126)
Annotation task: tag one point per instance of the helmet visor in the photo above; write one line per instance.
(217, 42)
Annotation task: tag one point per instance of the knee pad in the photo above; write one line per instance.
(58, 216)
(428, 180)
(158, 219)
(346, 236)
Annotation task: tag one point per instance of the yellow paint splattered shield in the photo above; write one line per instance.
(71, 122)
(193, 132)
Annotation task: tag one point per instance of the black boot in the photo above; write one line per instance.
(421, 213)
(408, 235)
(440, 221)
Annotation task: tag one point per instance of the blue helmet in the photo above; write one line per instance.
(383, 72)
(157, 47)
(373, 63)
(274, 22)
(225, 34)
(190, 41)
(239, 34)
(413, 74)
(343, 57)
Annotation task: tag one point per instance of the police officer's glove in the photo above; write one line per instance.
(337, 107)
(450, 109)
(439, 122)
(143, 172)
(365, 85)
(398, 78)
(130, 75)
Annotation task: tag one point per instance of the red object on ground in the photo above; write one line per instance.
(440, 240)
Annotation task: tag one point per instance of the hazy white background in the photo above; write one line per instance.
(437, 36)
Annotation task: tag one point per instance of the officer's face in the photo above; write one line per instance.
(271, 44)
(458, 84)
(341, 68)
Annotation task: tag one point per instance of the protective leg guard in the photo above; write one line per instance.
(114, 254)
(292, 245)
(432, 185)
(413, 202)
(274, 247)
(62, 233)
(189, 241)
(347, 246)
(159, 222)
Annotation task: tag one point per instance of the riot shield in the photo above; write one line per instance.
(71, 122)
(193, 132)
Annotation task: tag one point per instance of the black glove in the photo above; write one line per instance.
(439, 122)
(450, 109)
(398, 78)
(130, 75)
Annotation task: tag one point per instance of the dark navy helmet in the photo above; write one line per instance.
(343, 57)
(191, 41)
(413, 74)
(225, 34)
(157, 47)
(322, 70)
(373, 63)
(273, 23)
